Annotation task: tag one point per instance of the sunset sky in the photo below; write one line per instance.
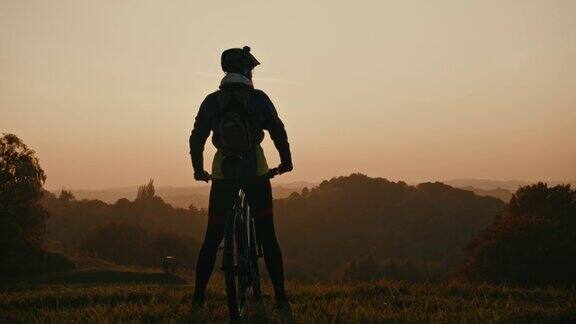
(106, 91)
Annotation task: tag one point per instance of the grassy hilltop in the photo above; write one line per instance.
(311, 303)
(360, 239)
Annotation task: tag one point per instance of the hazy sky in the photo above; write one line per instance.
(106, 91)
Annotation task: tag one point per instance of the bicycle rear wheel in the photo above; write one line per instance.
(236, 263)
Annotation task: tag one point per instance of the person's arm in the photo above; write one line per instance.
(197, 141)
(275, 127)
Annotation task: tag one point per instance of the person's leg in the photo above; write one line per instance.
(259, 195)
(207, 258)
(222, 195)
(265, 232)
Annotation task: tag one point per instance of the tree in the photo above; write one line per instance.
(22, 218)
(66, 196)
(146, 192)
(534, 242)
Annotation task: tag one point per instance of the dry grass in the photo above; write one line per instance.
(311, 303)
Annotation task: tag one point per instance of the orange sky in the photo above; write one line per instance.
(106, 91)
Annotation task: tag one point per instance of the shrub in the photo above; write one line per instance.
(131, 244)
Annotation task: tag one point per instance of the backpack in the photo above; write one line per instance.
(233, 126)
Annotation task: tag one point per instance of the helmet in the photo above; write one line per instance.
(237, 60)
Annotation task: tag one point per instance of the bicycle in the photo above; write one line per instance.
(240, 257)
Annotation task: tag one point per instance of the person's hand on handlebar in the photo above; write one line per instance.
(202, 176)
(282, 168)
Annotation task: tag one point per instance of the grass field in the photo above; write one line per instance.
(311, 303)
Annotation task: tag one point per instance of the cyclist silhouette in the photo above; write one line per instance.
(238, 114)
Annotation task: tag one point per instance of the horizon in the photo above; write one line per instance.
(106, 92)
(276, 183)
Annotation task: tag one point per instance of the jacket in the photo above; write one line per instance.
(264, 117)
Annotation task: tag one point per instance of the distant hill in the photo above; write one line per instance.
(71, 221)
(510, 185)
(351, 217)
(421, 230)
(198, 195)
(177, 196)
(502, 194)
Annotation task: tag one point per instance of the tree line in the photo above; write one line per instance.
(346, 228)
